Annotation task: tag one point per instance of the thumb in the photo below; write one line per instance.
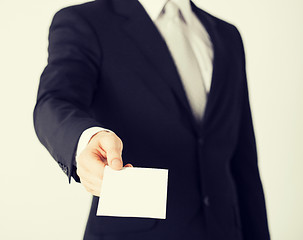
(114, 159)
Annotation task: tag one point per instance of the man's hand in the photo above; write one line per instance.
(104, 148)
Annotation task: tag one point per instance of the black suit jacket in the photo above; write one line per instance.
(109, 66)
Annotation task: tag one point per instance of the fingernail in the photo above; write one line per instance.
(116, 163)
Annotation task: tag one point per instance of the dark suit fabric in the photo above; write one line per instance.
(109, 66)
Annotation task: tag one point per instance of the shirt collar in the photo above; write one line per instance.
(155, 7)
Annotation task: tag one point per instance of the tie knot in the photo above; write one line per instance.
(171, 10)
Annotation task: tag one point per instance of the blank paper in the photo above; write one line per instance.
(134, 192)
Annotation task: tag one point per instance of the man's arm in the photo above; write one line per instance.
(246, 173)
(65, 95)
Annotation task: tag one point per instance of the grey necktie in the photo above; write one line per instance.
(174, 30)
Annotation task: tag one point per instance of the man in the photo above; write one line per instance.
(166, 82)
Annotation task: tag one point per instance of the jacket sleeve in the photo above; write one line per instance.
(67, 87)
(245, 170)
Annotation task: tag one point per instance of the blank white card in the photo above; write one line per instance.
(134, 192)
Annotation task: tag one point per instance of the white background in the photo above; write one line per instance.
(36, 201)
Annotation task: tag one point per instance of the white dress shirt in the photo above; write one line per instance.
(199, 41)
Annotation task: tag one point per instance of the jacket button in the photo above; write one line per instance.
(206, 201)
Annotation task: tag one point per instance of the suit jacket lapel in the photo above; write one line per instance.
(219, 65)
(142, 30)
